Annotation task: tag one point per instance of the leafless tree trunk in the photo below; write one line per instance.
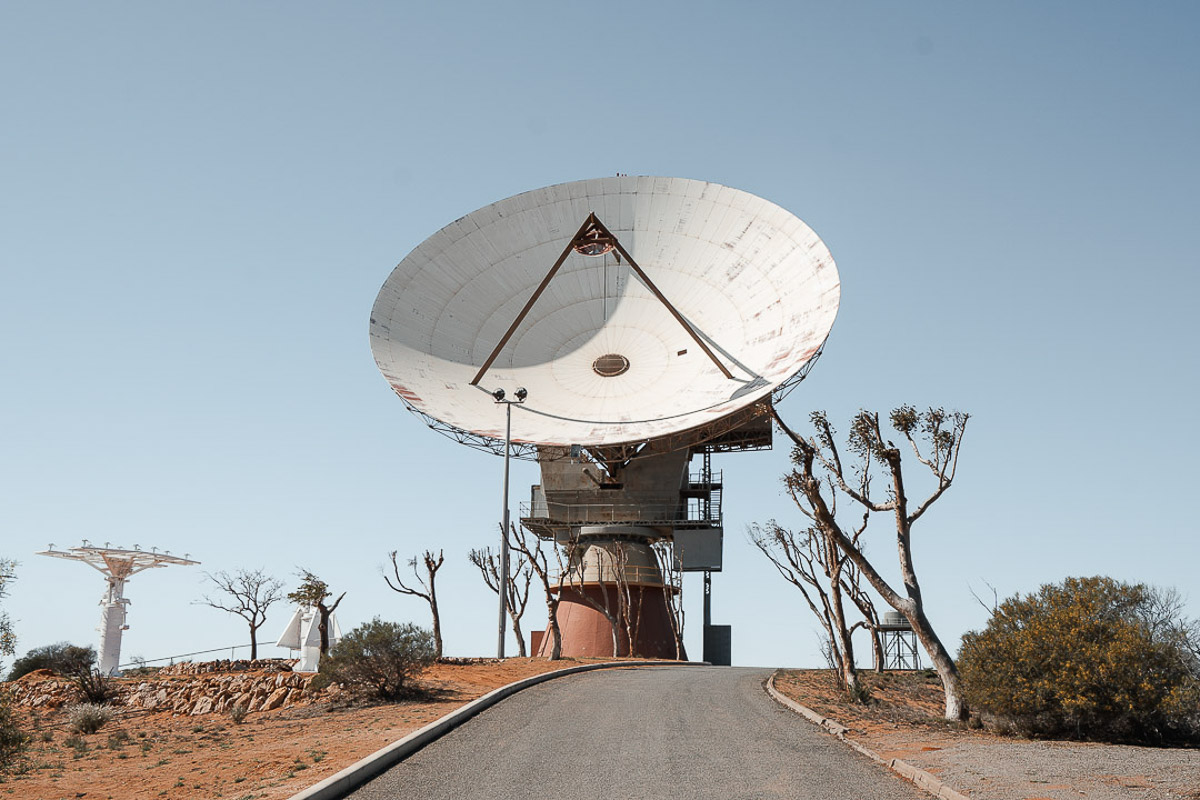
(576, 580)
(852, 586)
(812, 563)
(629, 596)
(535, 557)
(250, 593)
(427, 590)
(941, 435)
(323, 626)
(519, 578)
(672, 578)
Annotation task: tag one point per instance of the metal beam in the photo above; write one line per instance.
(533, 299)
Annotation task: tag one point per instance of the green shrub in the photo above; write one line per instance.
(61, 658)
(380, 658)
(13, 740)
(1088, 658)
(88, 717)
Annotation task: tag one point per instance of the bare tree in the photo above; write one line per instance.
(852, 584)
(519, 578)
(818, 463)
(535, 556)
(427, 592)
(313, 592)
(250, 594)
(812, 562)
(576, 579)
(629, 595)
(672, 574)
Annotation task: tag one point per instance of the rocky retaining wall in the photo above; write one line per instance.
(227, 665)
(202, 692)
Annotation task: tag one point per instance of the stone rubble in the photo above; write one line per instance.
(186, 689)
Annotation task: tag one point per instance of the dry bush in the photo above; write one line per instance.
(379, 658)
(88, 717)
(13, 740)
(1089, 658)
(96, 687)
(61, 658)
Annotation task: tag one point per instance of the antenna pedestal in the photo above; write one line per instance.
(614, 572)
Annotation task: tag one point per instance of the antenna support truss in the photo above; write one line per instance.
(117, 565)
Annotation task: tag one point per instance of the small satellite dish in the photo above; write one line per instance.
(630, 308)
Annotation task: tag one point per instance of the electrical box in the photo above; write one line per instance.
(699, 549)
(718, 645)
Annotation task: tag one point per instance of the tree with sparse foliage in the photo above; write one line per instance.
(535, 555)
(1089, 658)
(519, 578)
(812, 562)
(8, 639)
(248, 594)
(428, 590)
(13, 740)
(819, 475)
(61, 658)
(313, 592)
(380, 658)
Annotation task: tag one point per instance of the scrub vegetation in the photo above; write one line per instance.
(1088, 658)
(380, 659)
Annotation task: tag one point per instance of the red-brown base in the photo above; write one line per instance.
(586, 632)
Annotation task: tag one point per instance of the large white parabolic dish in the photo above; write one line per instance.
(753, 281)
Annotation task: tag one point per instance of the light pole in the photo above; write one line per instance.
(503, 583)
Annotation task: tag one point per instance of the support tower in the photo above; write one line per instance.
(118, 566)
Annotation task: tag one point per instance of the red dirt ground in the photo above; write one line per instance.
(142, 754)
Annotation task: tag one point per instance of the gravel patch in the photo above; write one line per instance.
(1000, 769)
(903, 722)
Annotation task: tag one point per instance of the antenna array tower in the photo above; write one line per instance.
(118, 566)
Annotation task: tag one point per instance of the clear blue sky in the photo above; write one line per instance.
(199, 202)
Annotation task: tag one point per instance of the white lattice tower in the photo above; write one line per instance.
(117, 565)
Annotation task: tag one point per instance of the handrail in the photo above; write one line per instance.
(590, 513)
(606, 573)
(143, 661)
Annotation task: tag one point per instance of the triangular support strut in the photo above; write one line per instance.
(595, 237)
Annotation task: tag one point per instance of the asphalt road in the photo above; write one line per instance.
(683, 733)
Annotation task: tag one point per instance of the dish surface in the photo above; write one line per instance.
(603, 359)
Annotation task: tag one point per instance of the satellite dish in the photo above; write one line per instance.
(637, 322)
(630, 308)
